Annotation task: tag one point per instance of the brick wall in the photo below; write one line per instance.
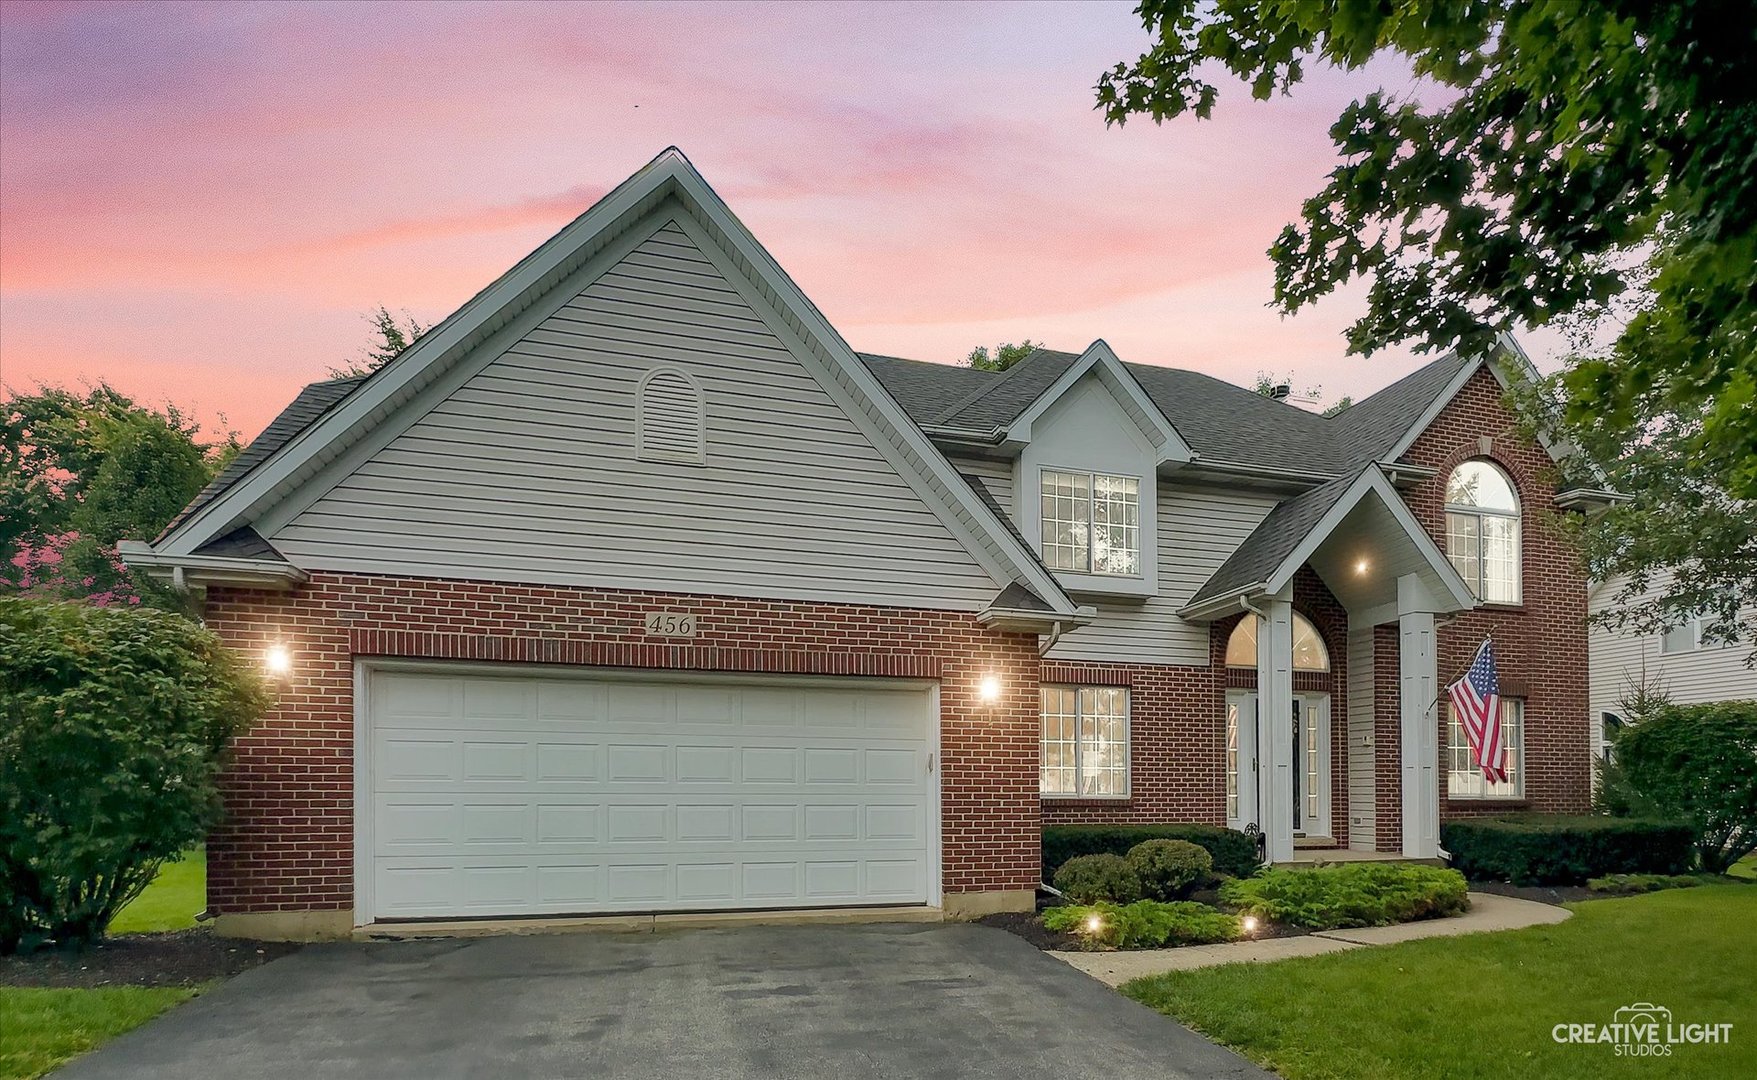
(287, 841)
(1540, 644)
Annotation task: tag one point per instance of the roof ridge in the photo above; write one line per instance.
(965, 403)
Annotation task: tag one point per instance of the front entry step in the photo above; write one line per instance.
(1310, 856)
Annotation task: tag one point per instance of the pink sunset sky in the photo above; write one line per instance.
(200, 202)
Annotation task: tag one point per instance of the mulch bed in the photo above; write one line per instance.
(183, 958)
(1556, 895)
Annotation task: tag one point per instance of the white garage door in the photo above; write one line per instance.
(520, 795)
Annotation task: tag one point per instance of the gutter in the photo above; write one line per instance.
(187, 571)
(1035, 621)
(1221, 605)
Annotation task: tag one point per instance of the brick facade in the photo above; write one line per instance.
(1540, 643)
(287, 840)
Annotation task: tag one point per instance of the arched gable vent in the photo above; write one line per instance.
(670, 419)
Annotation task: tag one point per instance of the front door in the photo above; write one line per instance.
(1309, 729)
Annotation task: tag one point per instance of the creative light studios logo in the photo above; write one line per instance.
(1643, 1030)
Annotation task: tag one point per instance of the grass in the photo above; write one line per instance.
(42, 1029)
(171, 902)
(1483, 1005)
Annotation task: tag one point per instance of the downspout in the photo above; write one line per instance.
(1257, 721)
(1055, 635)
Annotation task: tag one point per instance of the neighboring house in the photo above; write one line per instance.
(630, 587)
(1677, 663)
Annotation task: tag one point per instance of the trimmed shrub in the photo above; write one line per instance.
(1543, 849)
(1234, 853)
(1349, 894)
(1144, 924)
(1631, 884)
(115, 725)
(1170, 869)
(1697, 764)
(1087, 879)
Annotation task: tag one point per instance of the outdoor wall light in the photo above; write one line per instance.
(278, 660)
(988, 691)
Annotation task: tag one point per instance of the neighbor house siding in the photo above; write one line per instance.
(286, 840)
(1199, 527)
(1622, 660)
(528, 472)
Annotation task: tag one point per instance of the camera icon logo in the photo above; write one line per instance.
(1643, 1014)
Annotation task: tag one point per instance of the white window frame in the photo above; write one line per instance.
(1477, 579)
(1465, 782)
(1128, 745)
(1092, 476)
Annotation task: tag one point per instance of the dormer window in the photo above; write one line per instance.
(1091, 522)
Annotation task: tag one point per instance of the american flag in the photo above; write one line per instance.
(1476, 701)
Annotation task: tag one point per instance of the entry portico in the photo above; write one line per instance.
(1358, 537)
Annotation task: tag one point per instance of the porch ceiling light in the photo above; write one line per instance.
(988, 690)
(1361, 566)
(278, 660)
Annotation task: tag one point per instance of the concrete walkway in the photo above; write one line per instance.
(1487, 912)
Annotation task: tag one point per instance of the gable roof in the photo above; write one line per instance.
(336, 418)
(1255, 561)
(1222, 423)
(1101, 362)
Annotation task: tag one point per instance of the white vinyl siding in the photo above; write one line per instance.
(1621, 660)
(529, 471)
(1199, 527)
(1362, 782)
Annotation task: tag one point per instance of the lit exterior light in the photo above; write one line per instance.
(277, 660)
(1362, 566)
(1094, 923)
(1249, 924)
(989, 689)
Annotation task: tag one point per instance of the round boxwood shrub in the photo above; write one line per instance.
(1088, 879)
(115, 725)
(1170, 869)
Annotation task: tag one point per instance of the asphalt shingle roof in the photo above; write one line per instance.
(1274, 538)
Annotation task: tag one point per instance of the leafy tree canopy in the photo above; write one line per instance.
(1005, 355)
(78, 472)
(1586, 161)
(389, 337)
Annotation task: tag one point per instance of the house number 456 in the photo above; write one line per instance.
(670, 624)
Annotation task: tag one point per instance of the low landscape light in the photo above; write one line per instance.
(277, 660)
(1094, 923)
(1248, 924)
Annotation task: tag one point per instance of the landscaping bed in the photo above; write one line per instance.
(181, 958)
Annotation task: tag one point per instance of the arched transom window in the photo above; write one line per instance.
(1482, 531)
(1309, 653)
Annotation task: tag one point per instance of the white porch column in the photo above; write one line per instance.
(1275, 724)
(1418, 688)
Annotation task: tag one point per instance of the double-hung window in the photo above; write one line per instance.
(1482, 531)
(1091, 522)
(1085, 748)
(1464, 779)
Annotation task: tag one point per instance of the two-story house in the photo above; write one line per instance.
(630, 587)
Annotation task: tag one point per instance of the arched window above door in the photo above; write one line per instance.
(1309, 653)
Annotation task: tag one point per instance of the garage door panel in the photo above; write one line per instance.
(506, 796)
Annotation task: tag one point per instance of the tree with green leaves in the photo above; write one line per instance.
(79, 473)
(389, 337)
(1593, 161)
(1005, 355)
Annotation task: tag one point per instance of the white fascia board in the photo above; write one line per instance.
(265, 573)
(1216, 606)
(1372, 479)
(1101, 359)
(381, 389)
(1017, 620)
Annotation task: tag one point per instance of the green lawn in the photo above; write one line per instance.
(171, 902)
(1483, 1005)
(43, 1028)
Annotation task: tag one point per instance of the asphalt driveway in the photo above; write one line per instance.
(841, 1002)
